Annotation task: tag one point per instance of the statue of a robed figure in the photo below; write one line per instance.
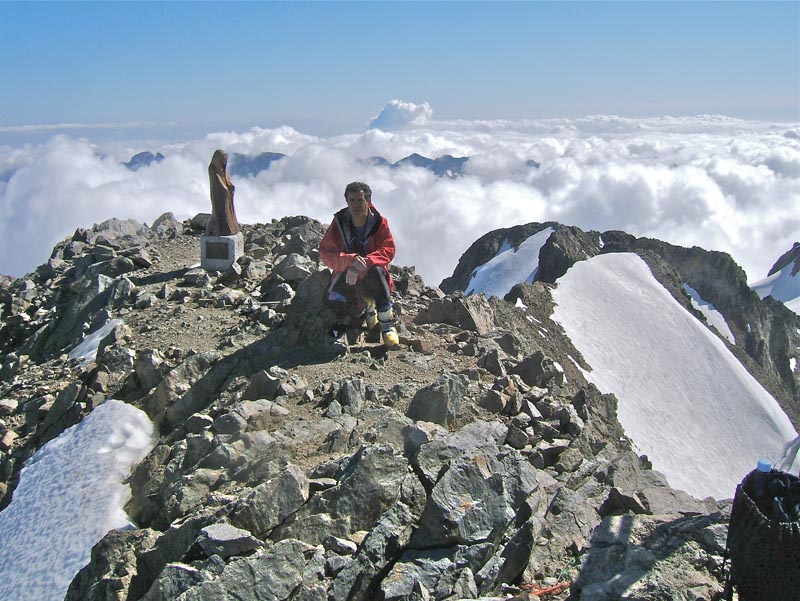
(222, 243)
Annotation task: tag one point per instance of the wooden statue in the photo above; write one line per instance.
(223, 216)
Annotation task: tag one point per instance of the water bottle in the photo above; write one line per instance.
(760, 480)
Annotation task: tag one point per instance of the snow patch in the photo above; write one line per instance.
(684, 399)
(782, 286)
(715, 318)
(86, 351)
(70, 494)
(520, 305)
(557, 365)
(509, 267)
(793, 364)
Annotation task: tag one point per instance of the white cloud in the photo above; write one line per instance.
(397, 114)
(722, 184)
(39, 127)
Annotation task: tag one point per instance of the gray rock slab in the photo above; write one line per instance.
(425, 567)
(270, 503)
(383, 545)
(477, 436)
(8, 406)
(340, 546)
(197, 422)
(475, 499)
(313, 528)
(226, 540)
(175, 579)
(265, 576)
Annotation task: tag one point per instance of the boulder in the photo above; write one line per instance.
(166, 224)
(121, 291)
(226, 541)
(351, 396)
(538, 370)
(199, 222)
(197, 423)
(269, 384)
(149, 368)
(440, 401)
(141, 258)
(281, 293)
(475, 500)
(415, 566)
(469, 313)
(376, 473)
(295, 268)
(8, 406)
(474, 438)
(62, 414)
(175, 579)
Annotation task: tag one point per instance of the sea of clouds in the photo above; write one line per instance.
(711, 181)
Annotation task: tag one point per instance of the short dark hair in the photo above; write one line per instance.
(358, 187)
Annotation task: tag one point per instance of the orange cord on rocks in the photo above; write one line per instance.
(548, 590)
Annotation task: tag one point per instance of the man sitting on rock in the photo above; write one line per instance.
(358, 246)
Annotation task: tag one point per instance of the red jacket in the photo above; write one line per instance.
(337, 247)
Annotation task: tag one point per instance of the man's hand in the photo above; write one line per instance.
(359, 264)
(351, 277)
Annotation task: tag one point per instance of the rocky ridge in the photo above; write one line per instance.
(248, 165)
(767, 334)
(790, 257)
(490, 469)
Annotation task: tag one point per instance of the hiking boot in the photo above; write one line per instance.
(370, 314)
(388, 331)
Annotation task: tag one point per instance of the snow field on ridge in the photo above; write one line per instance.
(684, 399)
(70, 494)
(715, 318)
(509, 267)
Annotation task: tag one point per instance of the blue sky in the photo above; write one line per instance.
(329, 67)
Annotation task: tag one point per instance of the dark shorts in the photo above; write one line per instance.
(375, 285)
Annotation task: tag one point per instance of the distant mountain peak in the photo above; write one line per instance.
(790, 256)
(143, 159)
(246, 165)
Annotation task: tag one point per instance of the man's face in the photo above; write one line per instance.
(358, 205)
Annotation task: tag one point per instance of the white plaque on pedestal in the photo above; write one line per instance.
(217, 253)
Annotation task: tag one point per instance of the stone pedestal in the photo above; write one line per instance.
(217, 253)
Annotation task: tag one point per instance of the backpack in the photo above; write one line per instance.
(763, 543)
